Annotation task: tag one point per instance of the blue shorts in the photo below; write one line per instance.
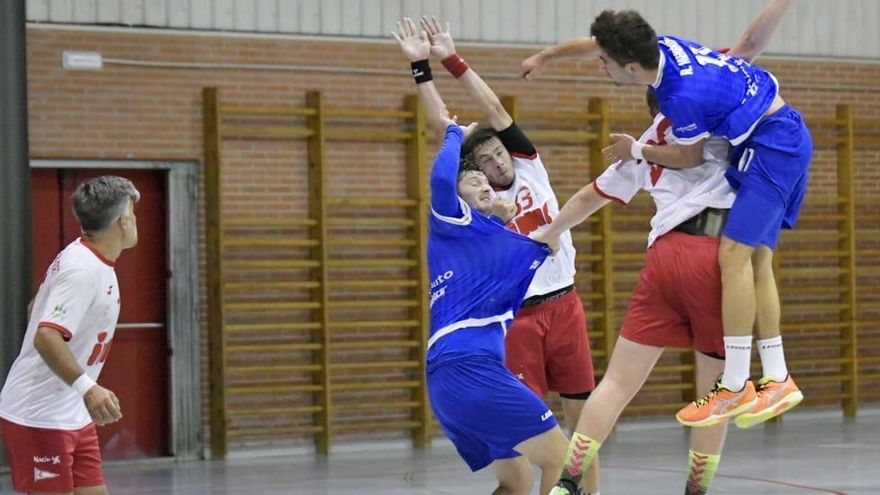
(484, 409)
(770, 173)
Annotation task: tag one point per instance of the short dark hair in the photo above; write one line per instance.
(475, 139)
(466, 165)
(626, 37)
(98, 202)
(651, 100)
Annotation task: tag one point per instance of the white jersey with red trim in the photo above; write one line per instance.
(536, 206)
(79, 297)
(678, 194)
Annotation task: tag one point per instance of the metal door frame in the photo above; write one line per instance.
(184, 374)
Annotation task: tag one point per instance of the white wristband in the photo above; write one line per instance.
(636, 150)
(83, 384)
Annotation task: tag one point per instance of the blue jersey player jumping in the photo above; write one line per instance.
(704, 93)
(480, 272)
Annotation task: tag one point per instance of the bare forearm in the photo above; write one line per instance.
(759, 33)
(577, 47)
(583, 204)
(433, 103)
(55, 352)
(487, 100)
(674, 155)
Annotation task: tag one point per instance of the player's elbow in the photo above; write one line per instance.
(499, 119)
(44, 337)
(746, 48)
(41, 339)
(692, 156)
(693, 161)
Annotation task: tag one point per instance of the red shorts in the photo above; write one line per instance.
(547, 347)
(45, 460)
(677, 301)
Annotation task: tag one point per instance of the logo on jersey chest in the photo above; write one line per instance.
(436, 292)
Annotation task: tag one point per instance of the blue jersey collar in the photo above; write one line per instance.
(661, 65)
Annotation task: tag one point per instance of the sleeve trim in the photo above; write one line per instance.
(608, 196)
(692, 140)
(524, 156)
(465, 218)
(65, 333)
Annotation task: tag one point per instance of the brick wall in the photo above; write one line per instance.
(124, 112)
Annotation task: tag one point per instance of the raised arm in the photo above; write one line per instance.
(757, 36)
(585, 48)
(416, 48)
(443, 47)
(444, 173)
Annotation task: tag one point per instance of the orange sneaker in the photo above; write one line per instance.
(774, 398)
(721, 403)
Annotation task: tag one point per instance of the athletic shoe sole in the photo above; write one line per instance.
(718, 418)
(747, 420)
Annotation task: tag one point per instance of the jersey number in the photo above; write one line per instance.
(524, 200)
(705, 56)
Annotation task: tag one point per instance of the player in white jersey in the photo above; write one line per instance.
(677, 301)
(50, 403)
(547, 346)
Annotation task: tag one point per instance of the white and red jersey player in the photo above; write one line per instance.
(677, 299)
(678, 194)
(79, 298)
(547, 346)
(536, 206)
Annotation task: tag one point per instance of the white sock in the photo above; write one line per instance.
(737, 360)
(773, 358)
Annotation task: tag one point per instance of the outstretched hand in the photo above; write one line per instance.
(442, 45)
(532, 66)
(621, 144)
(450, 120)
(414, 45)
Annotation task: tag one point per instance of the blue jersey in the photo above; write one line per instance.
(479, 269)
(704, 92)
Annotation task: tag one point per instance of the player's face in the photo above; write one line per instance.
(622, 75)
(474, 189)
(128, 226)
(494, 160)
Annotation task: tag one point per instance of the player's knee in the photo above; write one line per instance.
(618, 385)
(517, 481)
(762, 262)
(733, 256)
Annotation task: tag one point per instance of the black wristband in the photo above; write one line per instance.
(421, 71)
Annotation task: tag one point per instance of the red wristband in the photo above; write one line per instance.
(455, 65)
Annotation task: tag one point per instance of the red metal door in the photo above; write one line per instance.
(46, 204)
(137, 369)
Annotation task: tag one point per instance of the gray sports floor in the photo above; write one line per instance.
(809, 452)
